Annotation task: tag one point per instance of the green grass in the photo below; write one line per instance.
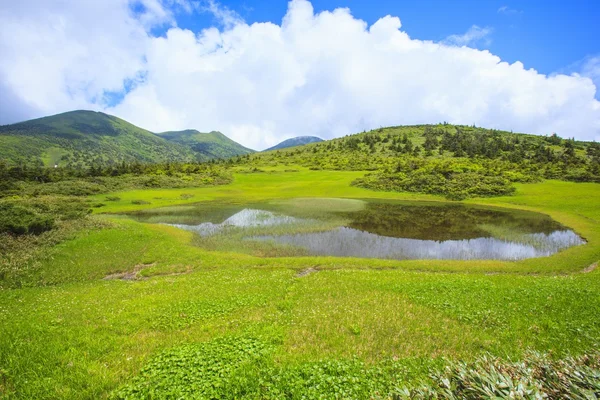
(352, 329)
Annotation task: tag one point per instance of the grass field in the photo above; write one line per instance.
(229, 325)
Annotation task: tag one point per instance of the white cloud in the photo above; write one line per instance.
(326, 74)
(58, 56)
(472, 37)
(591, 69)
(508, 11)
(228, 18)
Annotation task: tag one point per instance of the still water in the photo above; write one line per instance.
(371, 229)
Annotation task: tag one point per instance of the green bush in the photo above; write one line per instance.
(20, 220)
(35, 216)
(454, 179)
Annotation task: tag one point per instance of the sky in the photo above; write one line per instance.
(264, 71)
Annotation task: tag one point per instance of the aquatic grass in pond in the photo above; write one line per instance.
(348, 242)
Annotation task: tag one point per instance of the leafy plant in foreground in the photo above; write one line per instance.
(537, 377)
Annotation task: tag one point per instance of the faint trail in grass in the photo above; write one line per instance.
(590, 268)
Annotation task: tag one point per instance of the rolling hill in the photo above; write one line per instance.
(297, 141)
(82, 138)
(208, 145)
(452, 160)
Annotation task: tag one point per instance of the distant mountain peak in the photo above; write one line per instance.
(295, 141)
(211, 144)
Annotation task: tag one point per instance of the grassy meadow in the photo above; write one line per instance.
(123, 309)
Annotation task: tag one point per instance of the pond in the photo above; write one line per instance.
(372, 229)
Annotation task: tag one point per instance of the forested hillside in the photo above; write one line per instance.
(207, 145)
(85, 139)
(458, 161)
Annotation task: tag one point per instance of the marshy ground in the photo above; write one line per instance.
(214, 319)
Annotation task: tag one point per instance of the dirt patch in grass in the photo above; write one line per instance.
(590, 268)
(129, 275)
(306, 272)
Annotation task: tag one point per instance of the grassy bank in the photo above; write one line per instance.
(256, 328)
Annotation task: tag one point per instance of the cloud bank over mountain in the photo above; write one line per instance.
(325, 74)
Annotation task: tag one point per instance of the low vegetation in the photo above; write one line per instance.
(94, 304)
(239, 368)
(39, 181)
(454, 179)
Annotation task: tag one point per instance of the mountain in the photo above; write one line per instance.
(209, 145)
(83, 138)
(297, 141)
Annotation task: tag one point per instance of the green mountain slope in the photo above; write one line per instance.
(297, 141)
(384, 148)
(80, 139)
(208, 145)
(457, 161)
(83, 138)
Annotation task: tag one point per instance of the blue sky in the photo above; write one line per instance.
(549, 36)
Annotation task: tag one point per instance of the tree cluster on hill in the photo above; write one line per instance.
(456, 179)
(457, 161)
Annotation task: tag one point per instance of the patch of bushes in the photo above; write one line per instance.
(86, 186)
(79, 187)
(140, 202)
(456, 180)
(253, 170)
(458, 186)
(34, 216)
(30, 227)
(19, 220)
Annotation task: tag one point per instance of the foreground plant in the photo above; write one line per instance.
(241, 368)
(537, 377)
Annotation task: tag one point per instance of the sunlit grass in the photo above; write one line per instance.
(71, 334)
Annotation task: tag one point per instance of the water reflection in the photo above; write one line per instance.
(446, 221)
(380, 229)
(244, 219)
(351, 242)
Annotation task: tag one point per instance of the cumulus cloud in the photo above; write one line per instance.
(59, 55)
(326, 74)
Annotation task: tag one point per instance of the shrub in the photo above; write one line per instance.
(454, 179)
(20, 220)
